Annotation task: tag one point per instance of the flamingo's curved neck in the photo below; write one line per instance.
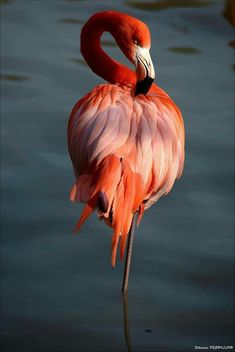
(103, 65)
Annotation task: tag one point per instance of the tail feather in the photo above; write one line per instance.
(106, 179)
(141, 212)
(125, 232)
(117, 192)
(115, 241)
(117, 219)
(87, 210)
(102, 202)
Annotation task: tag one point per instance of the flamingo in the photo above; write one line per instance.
(125, 137)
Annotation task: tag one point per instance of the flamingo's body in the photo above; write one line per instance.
(127, 150)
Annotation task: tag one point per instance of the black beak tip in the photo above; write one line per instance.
(142, 87)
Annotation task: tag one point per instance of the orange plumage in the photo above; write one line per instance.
(125, 138)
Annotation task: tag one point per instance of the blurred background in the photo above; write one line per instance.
(59, 291)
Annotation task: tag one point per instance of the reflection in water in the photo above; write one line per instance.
(232, 44)
(229, 11)
(126, 321)
(78, 61)
(108, 43)
(165, 4)
(4, 2)
(11, 77)
(71, 20)
(184, 50)
(181, 28)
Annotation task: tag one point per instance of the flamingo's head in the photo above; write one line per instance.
(133, 38)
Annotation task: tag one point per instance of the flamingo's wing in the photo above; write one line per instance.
(167, 147)
(125, 152)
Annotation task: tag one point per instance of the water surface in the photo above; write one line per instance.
(59, 292)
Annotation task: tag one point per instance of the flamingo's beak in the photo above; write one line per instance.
(144, 71)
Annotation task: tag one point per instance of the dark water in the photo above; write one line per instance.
(59, 292)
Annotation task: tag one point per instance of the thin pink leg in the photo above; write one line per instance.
(129, 253)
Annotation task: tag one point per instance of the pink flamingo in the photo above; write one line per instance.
(126, 137)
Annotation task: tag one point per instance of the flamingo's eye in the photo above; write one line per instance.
(136, 42)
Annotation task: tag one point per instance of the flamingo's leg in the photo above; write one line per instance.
(129, 253)
(126, 321)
